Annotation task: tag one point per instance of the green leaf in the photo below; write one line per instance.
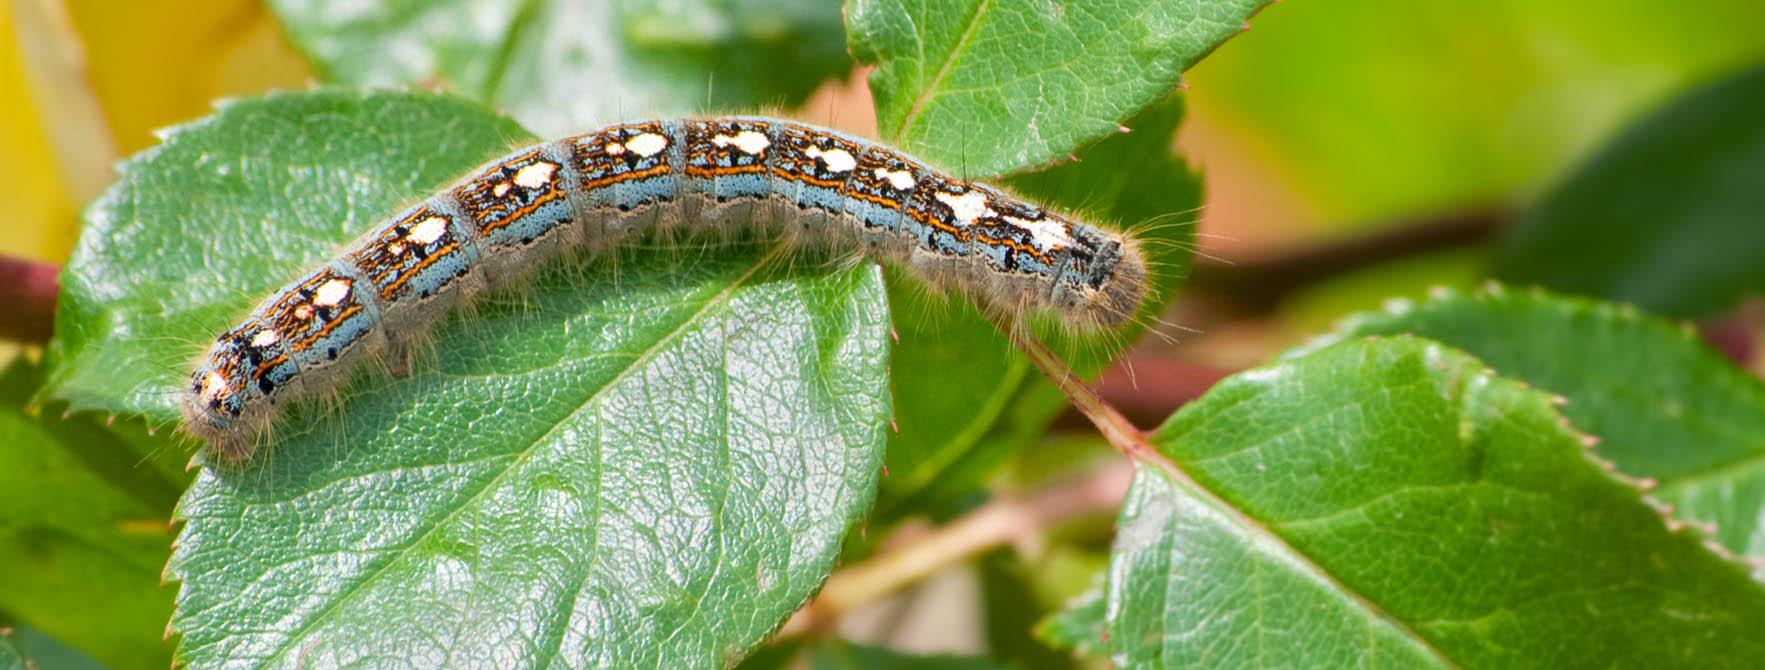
(85, 517)
(1663, 404)
(643, 462)
(42, 652)
(1079, 626)
(836, 654)
(10, 658)
(1390, 502)
(562, 66)
(987, 87)
(775, 655)
(1011, 606)
(1669, 217)
(965, 399)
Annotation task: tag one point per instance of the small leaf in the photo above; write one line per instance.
(1011, 604)
(645, 461)
(1663, 404)
(41, 652)
(986, 87)
(1392, 503)
(1668, 217)
(563, 66)
(965, 399)
(10, 657)
(1079, 626)
(84, 528)
(774, 655)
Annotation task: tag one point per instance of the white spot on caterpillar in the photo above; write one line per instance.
(836, 159)
(265, 338)
(748, 141)
(1045, 233)
(900, 179)
(614, 148)
(500, 189)
(966, 207)
(213, 385)
(537, 175)
(332, 292)
(647, 144)
(426, 231)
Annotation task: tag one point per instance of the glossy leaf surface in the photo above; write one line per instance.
(987, 87)
(1390, 502)
(1663, 404)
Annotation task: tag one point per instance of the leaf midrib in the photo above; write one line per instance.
(1728, 470)
(1182, 481)
(980, 423)
(720, 298)
(505, 56)
(931, 90)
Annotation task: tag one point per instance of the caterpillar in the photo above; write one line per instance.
(594, 190)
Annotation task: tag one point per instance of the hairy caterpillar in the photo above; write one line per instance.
(594, 190)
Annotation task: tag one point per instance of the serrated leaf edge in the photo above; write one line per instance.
(1754, 571)
(1493, 291)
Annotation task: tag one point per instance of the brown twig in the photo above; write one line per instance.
(997, 522)
(1257, 286)
(1121, 433)
(27, 299)
(992, 525)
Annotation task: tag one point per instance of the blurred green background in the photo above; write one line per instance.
(1330, 117)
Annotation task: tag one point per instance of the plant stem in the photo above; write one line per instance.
(1121, 433)
(1147, 388)
(997, 522)
(992, 525)
(1258, 286)
(27, 299)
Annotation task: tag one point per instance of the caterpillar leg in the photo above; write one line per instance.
(398, 359)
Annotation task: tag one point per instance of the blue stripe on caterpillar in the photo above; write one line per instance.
(597, 189)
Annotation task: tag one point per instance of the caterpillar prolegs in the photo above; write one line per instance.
(594, 190)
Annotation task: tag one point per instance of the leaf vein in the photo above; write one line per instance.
(375, 572)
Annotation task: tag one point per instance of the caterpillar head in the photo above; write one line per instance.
(1117, 284)
(231, 395)
(1104, 282)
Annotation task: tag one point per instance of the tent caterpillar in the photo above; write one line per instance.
(593, 191)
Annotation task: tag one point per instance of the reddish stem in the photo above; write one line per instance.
(27, 299)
